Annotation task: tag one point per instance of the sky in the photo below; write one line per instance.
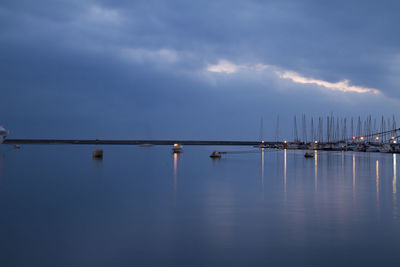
(193, 69)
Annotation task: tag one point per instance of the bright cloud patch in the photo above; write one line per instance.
(225, 66)
(343, 86)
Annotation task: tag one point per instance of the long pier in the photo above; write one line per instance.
(134, 142)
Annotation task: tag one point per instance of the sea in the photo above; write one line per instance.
(146, 206)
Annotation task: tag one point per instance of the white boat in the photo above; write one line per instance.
(177, 148)
(262, 145)
(3, 134)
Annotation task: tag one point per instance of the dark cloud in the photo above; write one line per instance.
(138, 69)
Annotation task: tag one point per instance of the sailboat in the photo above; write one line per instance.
(3, 134)
(262, 144)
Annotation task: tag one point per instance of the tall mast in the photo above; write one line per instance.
(277, 129)
(295, 136)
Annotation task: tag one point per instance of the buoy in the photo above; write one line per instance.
(215, 154)
(309, 155)
(97, 154)
(16, 146)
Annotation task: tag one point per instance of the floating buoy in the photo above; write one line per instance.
(215, 154)
(97, 154)
(309, 155)
(16, 146)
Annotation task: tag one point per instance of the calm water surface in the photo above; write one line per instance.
(147, 207)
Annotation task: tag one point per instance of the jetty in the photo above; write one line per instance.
(132, 142)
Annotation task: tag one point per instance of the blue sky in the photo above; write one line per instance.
(193, 70)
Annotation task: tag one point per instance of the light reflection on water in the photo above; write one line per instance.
(284, 164)
(175, 173)
(394, 186)
(354, 175)
(316, 169)
(394, 175)
(136, 207)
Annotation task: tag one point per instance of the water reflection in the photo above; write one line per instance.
(262, 166)
(394, 186)
(394, 175)
(175, 173)
(377, 183)
(220, 218)
(316, 170)
(343, 166)
(1, 166)
(354, 175)
(284, 170)
(98, 166)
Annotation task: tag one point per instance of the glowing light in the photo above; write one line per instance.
(354, 137)
(394, 142)
(316, 142)
(176, 145)
(362, 138)
(377, 138)
(285, 142)
(392, 137)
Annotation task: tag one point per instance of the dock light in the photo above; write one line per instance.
(354, 137)
(262, 141)
(392, 137)
(176, 144)
(394, 142)
(362, 138)
(377, 138)
(285, 142)
(316, 142)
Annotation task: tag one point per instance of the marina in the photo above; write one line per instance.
(358, 144)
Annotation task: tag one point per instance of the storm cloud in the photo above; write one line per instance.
(192, 70)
